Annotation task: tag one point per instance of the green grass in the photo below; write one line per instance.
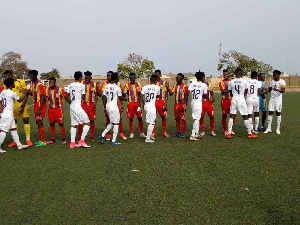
(213, 181)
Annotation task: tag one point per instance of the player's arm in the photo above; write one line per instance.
(120, 96)
(213, 97)
(98, 88)
(24, 97)
(66, 96)
(166, 97)
(222, 89)
(280, 91)
(186, 97)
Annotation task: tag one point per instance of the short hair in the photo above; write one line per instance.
(132, 74)
(199, 75)
(7, 72)
(77, 75)
(52, 78)
(88, 73)
(153, 78)
(110, 72)
(261, 74)
(114, 76)
(225, 70)
(181, 74)
(278, 72)
(238, 71)
(157, 71)
(33, 72)
(254, 74)
(8, 82)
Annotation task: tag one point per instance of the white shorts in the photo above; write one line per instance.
(78, 116)
(7, 122)
(113, 113)
(253, 105)
(275, 105)
(150, 115)
(238, 104)
(196, 112)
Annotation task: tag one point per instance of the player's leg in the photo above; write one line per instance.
(256, 107)
(196, 115)
(202, 119)
(211, 114)
(278, 114)
(130, 116)
(84, 119)
(115, 118)
(150, 119)
(2, 138)
(13, 144)
(74, 124)
(242, 107)
(139, 115)
(92, 117)
(40, 124)
(272, 109)
(80, 130)
(59, 118)
(177, 120)
(106, 124)
(131, 128)
(14, 134)
(183, 122)
(233, 111)
(52, 120)
(27, 129)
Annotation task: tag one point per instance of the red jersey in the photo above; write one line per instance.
(55, 97)
(223, 85)
(180, 91)
(37, 90)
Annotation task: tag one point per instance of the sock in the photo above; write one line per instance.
(153, 132)
(107, 123)
(141, 125)
(263, 118)
(131, 126)
(2, 137)
(212, 123)
(248, 126)
(224, 123)
(85, 130)
(177, 125)
(278, 122)
(251, 123)
(195, 128)
(270, 118)
(256, 119)
(16, 126)
(63, 131)
(183, 123)
(230, 124)
(115, 133)
(73, 134)
(27, 131)
(93, 125)
(150, 130)
(42, 133)
(121, 127)
(202, 124)
(80, 130)
(15, 137)
(52, 131)
(164, 126)
(107, 129)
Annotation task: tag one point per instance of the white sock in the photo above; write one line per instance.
(73, 134)
(107, 129)
(230, 124)
(256, 123)
(248, 126)
(150, 130)
(251, 123)
(85, 130)
(115, 133)
(270, 118)
(195, 128)
(15, 137)
(2, 137)
(278, 122)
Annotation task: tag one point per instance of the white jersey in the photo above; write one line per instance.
(238, 87)
(8, 98)
(150, 92)
(278, 85)
(76, 90)
(253, 86)
(197, 89)
(112, 92)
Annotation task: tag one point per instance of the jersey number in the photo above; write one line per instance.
(237, 88)
(4, 102)
(251, 89)
(73, 95)
(195, 94)
(149, 97)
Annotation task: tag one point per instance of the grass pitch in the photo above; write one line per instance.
(173, 181)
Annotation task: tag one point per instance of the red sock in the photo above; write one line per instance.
(141, 125)
(202, 124)
(121, 127)
(107, 122)
(178, 125)
(52, 131)
(63, 131)
(183, 122)
(92, 127)
(224, 123)
(164, 126)
(153, 133)
(80, 130)
(42, 133)
(131, 126)
(212, 123)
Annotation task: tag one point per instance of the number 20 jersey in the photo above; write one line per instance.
(150, 92)
(238, 87)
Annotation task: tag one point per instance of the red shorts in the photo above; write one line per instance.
(132, 109)
(225, 106)
(55, 115)
(159, 104)
(179, 112)
(90, 110)
(209, 108)
(43, 111)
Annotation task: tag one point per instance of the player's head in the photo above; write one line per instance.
(88, 76)
(7, 74)
(158, 74)
(226, 74)
(132, 77)
(276, 75)
(108, 75)
(33, 75)
(153, 79)
(114, 78)
(254, 75)
(179, 78)
(238, 72)
(78, 76)
(261, 76)
(199, 75)
(9, 82)
(52, 82)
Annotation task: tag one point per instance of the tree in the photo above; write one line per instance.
(53, 73)
(13, 61)
(234, 59)
(135, 64)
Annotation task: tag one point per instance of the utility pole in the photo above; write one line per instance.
(220, 58)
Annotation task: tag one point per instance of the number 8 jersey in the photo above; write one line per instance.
(253, 86)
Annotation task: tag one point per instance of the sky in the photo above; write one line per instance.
(178, 36)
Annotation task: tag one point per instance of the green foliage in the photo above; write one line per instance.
(13, 61)
(234, 59)
(136, 64)
(53, 73)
